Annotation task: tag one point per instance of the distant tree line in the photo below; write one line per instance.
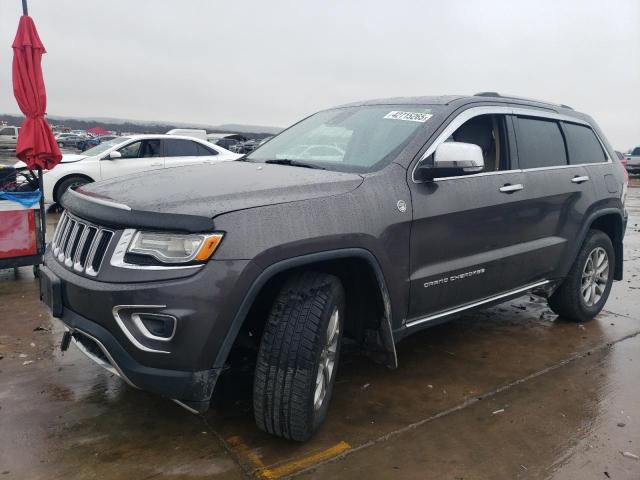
(129, 127)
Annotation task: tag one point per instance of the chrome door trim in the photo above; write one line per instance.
(582, 179)
(472, 112)
(511, 188)
(475, 304)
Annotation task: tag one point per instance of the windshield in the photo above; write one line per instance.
(353, 139)
(636, 152)
(104, 146)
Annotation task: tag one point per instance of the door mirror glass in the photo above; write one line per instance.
(452, 158)
(114, 155)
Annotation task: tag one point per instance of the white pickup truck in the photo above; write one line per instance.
(9, 136)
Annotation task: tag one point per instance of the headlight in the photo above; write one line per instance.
(175, 247)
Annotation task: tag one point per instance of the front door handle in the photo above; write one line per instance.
(156, 164)
(508, 188)
(579, 179)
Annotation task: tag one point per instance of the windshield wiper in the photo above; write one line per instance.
(294, 163)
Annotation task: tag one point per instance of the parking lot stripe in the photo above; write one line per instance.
(243, 450)
(305, 462)
(263, 472)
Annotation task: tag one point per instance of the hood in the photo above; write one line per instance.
(66, 158)
(212, 189)
(72, 157)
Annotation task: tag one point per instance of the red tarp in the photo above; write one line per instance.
(98, 131)
(37, 146)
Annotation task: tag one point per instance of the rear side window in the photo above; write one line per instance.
(180, 148)
(205, 151)
(583, 145)
(540, 143)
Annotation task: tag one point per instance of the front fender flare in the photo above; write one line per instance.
(385, 332)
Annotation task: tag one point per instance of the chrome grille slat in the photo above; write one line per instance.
(58, 232)
(62, 225)
(69, 244)
(80, 245)
(64, 240)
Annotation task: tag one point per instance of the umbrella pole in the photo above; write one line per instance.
(43, 220)
(25, 10)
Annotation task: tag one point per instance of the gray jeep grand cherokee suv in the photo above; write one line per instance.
(368, 221)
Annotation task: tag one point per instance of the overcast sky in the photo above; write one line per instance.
(271, 62)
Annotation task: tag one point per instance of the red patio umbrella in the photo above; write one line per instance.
(36, 144)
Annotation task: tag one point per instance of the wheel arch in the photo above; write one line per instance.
(351, 265)
(62, 179)
(611, 222)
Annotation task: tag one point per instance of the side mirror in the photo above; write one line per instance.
(114, 155)
(452, 158)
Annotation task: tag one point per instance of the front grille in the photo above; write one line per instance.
(80, 245)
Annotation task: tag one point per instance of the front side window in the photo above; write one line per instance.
(540, 143)
(635, 152)
(352, 139)
(489, 132)
(583, 145)
(131, 151)
(6, 131)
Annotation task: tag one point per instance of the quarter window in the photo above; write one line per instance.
(540, 143)
(583, 145)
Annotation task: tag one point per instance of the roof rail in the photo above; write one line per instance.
(496, 94)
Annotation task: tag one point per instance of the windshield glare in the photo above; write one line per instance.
(353, 139)
(104, 146)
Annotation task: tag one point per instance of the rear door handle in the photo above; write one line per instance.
(581, 179)
(156, 164)
(508, 188)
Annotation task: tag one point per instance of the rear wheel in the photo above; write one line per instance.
(67, 183)
(298, 356)
(584, 292)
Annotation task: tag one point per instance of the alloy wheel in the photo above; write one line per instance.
(595, 276)
(327, 360)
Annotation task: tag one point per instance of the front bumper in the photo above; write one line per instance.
(189, 389)
(182, 368)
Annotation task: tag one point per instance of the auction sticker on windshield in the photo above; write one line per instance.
(409, 116)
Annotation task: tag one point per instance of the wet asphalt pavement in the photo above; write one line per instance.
(507, 392)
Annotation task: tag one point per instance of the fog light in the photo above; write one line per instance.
(156, 326)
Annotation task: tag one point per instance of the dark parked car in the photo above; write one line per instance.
(91, 142)
(437, 205)
(70, 141)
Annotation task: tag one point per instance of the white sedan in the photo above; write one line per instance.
(127, 155)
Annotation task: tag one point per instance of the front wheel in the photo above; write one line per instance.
(67, 183)
(585, 290)
(298, 356)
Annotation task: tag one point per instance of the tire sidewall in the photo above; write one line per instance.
(594, 241)
(338, 299)
(68, 183)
